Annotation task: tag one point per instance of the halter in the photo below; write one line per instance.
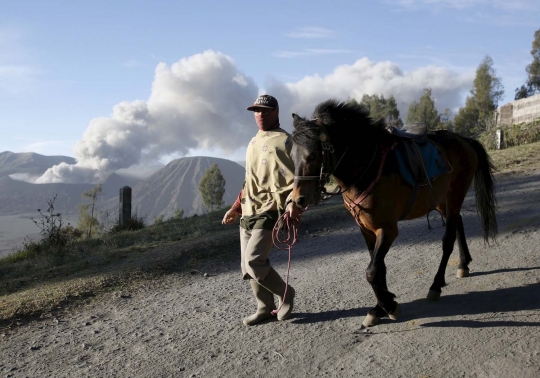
(329, 157)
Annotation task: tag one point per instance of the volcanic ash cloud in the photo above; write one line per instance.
(197, 102)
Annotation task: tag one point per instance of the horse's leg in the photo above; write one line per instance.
(376, 313)
(376, 276)
(448, 241)
(464, 255)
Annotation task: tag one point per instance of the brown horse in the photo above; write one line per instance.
(342, 140)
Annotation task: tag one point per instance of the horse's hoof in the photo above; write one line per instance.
(433, 295)
(371, 320)
(462, 273)
(397, 312)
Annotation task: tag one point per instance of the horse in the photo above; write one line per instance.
(341, 140)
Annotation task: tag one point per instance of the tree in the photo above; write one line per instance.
(466, 120)
(381, 108)
(392, 113)
(445, 120)
(88, 221)
(212, 188)
(532, 86)
(424, 111)
(487, 92)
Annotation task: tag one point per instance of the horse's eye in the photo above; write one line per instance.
(311, 157)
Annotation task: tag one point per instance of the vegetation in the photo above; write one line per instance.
(532, 85)
(487, 91)
(381, 108)
(513, 135)
(212, 188)
(178, 214)
(424, 111)
(88, 222)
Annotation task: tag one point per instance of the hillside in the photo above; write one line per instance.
(176, 186)
(29, 164)
(19, 197)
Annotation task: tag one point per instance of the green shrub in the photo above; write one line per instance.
(513, 135)
(136, 223)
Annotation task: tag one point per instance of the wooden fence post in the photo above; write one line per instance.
(499, 139)
(125, 206)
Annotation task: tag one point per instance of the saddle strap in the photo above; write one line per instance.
(414, 192)
(411, 201)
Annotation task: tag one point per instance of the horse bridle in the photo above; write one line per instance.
(329, 157)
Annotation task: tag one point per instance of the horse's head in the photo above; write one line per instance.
(313, 148)
(309, 139)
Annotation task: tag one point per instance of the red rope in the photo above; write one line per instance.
(289, 227)
(366, 192)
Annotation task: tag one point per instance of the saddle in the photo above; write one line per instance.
(419, 160)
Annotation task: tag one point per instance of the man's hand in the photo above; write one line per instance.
(230, 217)
(294, 211)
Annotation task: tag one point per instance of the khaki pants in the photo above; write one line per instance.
(255, 246)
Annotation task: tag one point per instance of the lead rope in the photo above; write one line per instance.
(289, 226)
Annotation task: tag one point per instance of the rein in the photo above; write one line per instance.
(289, 228)
(366, 192)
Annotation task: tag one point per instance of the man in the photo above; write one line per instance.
(269, 181)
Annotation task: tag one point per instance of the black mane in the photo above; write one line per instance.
(344, 121)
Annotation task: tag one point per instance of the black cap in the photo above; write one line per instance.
(264, 101)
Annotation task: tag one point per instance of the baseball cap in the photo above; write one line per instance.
(264, 101)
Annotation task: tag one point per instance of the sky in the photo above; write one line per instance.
(120, 84)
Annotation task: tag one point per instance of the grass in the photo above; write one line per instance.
(41, 283)
(517, 159)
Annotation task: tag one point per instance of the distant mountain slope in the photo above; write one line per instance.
(18, 197)
(176, 186)
(29, 163)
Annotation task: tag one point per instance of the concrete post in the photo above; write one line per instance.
(125, 206)
(499, 139)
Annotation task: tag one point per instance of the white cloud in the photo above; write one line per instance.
(310, 52)
(197, 102)
(24, 177)
(514, 5)
(312, 32)
(71, 174)
(367, 77)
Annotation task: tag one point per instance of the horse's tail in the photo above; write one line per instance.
(486, 203)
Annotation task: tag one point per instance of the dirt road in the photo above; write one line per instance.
(487, 325)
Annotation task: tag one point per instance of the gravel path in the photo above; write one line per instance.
(487, 325)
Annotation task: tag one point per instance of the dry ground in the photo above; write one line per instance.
(487, 325)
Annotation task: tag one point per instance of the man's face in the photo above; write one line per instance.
(266, 118)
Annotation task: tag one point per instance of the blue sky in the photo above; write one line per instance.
(66, 63)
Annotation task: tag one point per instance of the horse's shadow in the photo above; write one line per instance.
(325, 316)
(493, 308)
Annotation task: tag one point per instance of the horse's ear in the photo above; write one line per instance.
(296, 119)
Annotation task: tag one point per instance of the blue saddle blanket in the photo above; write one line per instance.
(409, 166)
